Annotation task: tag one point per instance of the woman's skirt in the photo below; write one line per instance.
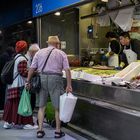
(11, 115)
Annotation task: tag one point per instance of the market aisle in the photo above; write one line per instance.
(16, 134)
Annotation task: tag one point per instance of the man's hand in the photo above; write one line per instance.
(69, 89)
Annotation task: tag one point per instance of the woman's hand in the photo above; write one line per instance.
(28, 85)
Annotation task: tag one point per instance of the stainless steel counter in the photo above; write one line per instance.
(115, 95)
(107, 111)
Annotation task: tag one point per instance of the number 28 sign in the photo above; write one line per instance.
(41, 7)
(38, 8)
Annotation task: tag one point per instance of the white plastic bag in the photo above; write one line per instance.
(67, 105)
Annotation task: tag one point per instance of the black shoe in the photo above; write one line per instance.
(40, 134)
(59, 135)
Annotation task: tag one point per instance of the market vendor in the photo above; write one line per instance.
(113, 49)
(131, 47)
(116, 56)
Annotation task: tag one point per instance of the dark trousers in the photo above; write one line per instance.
(2, 95)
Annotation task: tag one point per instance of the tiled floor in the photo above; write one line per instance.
(20, 134)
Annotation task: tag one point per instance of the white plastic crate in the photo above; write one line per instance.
(129, 72)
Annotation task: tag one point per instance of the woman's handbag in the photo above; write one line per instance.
(36, 80)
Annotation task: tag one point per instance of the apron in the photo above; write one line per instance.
(130, 55)
(113, 60)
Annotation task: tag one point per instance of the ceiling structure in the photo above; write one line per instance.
(14, 11)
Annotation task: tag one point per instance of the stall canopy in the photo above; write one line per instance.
(41, 7)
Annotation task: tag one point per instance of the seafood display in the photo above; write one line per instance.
(98, 72)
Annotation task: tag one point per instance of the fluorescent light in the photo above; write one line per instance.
(30, 22)
(104, 0)
(57, 14)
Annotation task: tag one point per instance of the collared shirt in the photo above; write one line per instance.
(56, 63)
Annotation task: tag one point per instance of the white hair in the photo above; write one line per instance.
(34, 47)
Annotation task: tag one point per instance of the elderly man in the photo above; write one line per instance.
(51, 80)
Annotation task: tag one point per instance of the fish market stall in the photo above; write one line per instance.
(100, 102)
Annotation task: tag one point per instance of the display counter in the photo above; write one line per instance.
(115, 95)
(106, 111)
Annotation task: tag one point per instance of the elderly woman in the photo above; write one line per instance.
(11, 117)
(33, 49)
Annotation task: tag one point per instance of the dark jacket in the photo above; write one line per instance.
(118, 49)
(115, 46)
(4, 58)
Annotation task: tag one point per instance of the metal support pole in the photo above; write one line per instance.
(39, 37)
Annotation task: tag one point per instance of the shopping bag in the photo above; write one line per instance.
(24, 108)
(67, 105)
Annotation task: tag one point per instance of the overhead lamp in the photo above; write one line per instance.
(104, 0)
(120, 2)
(30, 22)
(57, 14)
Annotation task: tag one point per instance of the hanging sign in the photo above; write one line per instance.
(41, 7)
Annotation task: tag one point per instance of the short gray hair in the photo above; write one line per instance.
(34, 47)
